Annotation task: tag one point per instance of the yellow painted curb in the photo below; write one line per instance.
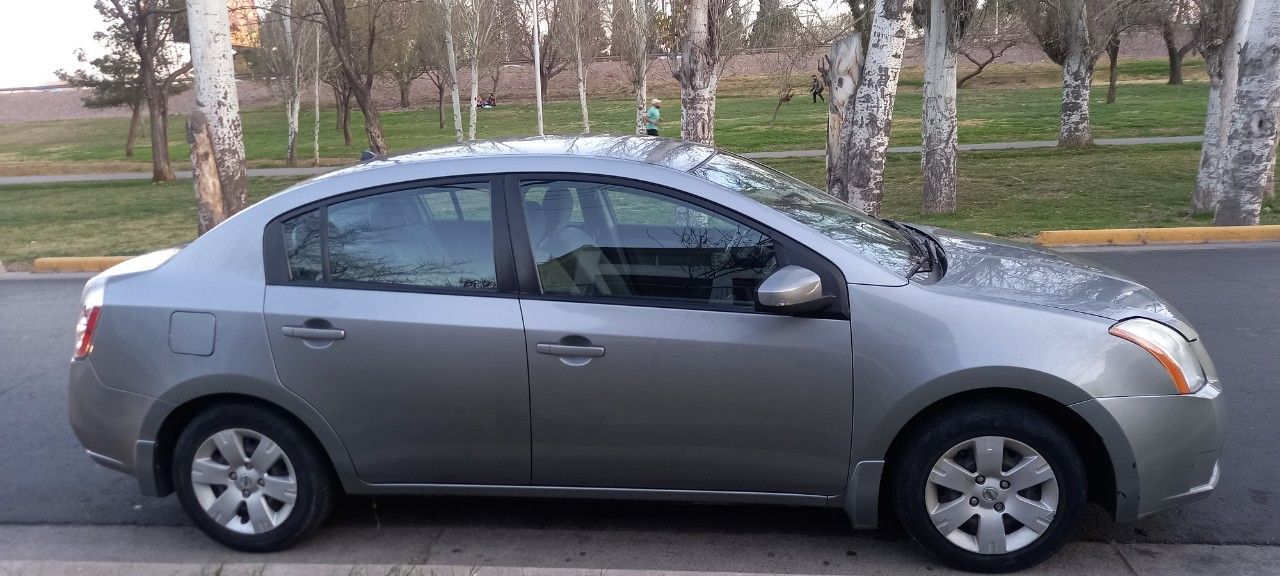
(76, 263)
(1140, 236)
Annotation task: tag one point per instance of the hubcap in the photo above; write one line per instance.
(991, 495)
(244, 481)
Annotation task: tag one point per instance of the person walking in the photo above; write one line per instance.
(816, 89)
(653, 117)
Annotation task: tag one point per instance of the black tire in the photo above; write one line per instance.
(932, 440)
(316, 488)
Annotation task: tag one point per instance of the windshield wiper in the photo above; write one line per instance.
(923, 250)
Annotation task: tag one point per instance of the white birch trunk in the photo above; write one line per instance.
(451, 70)
(696, 74)
(475, 69)
(582, 80)
(641, 48)
(537, 65)
(865, 133)
(293, 96)
(938, 124)
(1223, 78)
(1077, 79)
(1251, 142)
(315, 98)
(842, 79)
(216, 96)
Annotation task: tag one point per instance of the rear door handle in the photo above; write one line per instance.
(313, 333)
(567, 350)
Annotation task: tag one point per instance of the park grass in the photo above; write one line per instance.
(1015, 105)
(1010, 193)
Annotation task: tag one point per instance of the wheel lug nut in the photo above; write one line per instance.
(1004, 484)
(980, 479)
(973, 501)
(245, 493)
(232, 475)
(999, 507)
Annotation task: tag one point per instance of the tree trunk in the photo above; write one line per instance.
(161, 169)
(1175, 55)
(440, 103)
(938, 126)
(315, 93)
(641, 88)
(842, 73)
(1077, 80)
(1113, 76)
(581, 68)
(868, 116)
(211, 209)
(539, 83)
(135, 124)
(696, 74)
(1224, 71)
(475, 86)
(372, 121)
(404, 85)
(216, 98)
(1251, 143)
(451, 69)
(293, 96)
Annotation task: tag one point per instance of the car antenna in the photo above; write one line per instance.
(368, 155)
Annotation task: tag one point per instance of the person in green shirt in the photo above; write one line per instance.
(653, 116)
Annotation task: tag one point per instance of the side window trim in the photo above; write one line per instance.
(789, 251)
(276, 264)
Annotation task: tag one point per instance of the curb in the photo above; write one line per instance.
(1143, 236)
(76, 263)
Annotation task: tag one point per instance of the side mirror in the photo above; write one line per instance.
(792, 290)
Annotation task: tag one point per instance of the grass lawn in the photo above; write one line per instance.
(1011, 104)
(1014, 193)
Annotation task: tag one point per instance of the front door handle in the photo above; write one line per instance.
(307, 333)
(567, 350)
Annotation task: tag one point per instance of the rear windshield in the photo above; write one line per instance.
(855, 230)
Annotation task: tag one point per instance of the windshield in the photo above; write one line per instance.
(859, 232)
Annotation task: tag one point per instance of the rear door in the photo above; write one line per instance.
(650, 367)
(393, 313)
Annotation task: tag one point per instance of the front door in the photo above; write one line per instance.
(392, 323)
(649, 366)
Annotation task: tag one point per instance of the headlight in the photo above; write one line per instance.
(1170, 347)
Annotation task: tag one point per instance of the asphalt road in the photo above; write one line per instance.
(1231, 294)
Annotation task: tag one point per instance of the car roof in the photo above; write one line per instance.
(666, 152)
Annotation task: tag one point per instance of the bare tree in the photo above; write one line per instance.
(1251, 142)
(483, 27)
(632, 30)
(280, 59)
(216, 101)
(1177, 18)
(864, 136)
(451, 68)
(1222, 26)
(551, 59)
(945, 22)
(713, 30)
(401, 52)
(1073, 33)
(148, 26)
(355, 56)
(582, 26)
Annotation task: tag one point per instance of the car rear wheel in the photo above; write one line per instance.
(990, 487)
(250, 479)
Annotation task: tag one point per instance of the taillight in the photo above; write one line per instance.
(84, 330)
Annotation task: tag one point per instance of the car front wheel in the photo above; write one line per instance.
(990, 487)
(250, 479)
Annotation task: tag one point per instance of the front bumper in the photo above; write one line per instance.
(108, 423)
(1164, 449)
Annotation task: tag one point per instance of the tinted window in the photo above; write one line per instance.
(808, 205)
(302, 246)
(438, 236)
(604, 240)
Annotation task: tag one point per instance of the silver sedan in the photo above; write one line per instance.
(634, 317)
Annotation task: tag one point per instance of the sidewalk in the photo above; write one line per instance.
(494, 550)
(304, 172)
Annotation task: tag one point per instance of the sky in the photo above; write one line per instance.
(37, 38)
